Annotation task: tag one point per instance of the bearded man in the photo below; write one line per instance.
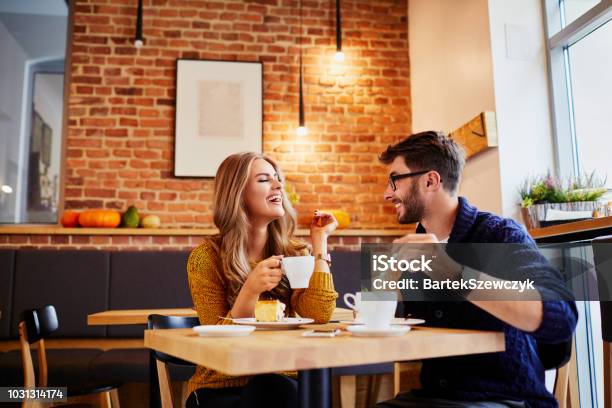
(424, 174)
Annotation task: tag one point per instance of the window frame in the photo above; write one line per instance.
(564, 131)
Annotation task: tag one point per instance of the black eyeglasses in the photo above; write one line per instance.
(394, 177)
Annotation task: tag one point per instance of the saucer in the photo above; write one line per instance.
(398, 321)
(223, 330)
(287, 323)
(364, 331)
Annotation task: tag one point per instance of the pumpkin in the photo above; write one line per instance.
(100, 219)
(150, 221)
(70, 219)
(343, 218)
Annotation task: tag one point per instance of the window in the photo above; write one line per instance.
(579, 38)
(32, 54)
(579, 35)
(590, 67)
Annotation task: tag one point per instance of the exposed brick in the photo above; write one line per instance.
(122, 103)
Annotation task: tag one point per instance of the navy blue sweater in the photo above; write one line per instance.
(517, 373)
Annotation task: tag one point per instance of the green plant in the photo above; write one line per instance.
(551, 189)
(292, 195)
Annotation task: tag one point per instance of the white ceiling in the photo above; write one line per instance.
(44, 7)
(39, 26)
(38, 35)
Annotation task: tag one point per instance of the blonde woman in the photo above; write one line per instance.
(228, 273)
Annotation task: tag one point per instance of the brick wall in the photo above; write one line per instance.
(121, 102)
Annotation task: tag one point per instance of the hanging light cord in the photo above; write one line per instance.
(302, 119)
(338, 28)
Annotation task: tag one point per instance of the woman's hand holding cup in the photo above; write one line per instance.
(265, 276)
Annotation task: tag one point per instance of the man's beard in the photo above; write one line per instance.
(413, 208)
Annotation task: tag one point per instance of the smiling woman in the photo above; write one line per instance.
(230, 272)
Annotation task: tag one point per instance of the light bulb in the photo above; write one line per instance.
(339, 56)
(138, 43)
(6, 189)
(302, 131)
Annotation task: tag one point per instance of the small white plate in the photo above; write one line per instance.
(223, 330)
(364, 331)
(398, 321)
(287, 323)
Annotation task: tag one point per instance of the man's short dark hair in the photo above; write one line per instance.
(430, 150)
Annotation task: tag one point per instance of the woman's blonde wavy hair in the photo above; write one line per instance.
(231, 218)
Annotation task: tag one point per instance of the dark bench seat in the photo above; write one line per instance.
(79, 283)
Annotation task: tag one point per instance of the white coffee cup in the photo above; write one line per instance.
(353, 301)
(378, 310)
(298, 269)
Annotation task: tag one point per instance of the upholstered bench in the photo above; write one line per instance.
(79, 283)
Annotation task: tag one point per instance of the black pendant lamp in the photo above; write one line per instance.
(339, 54)
(138, 39)
(301, 130)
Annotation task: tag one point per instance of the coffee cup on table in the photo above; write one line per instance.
(298, 269)
(377, 309)
(353, 301)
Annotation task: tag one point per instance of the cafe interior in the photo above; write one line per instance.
(116, 114)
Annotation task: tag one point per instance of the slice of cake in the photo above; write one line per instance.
(269, 311)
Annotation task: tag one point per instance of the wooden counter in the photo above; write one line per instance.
(573, 231)
(53, 230)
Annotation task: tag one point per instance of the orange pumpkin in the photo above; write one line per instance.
(100, 219)
(343, 217)
(70, 219)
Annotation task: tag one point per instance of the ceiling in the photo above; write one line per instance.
(38, 26)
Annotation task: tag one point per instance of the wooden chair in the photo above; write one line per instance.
(602, 256)
(561, 356)
(162, 360)
(35, 325)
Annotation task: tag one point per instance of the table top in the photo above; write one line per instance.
(139, 316)
(273, 351)
(134, 316)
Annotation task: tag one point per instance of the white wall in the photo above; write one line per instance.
(11, 82)
(520, 75)
(461, 65)
(452, 81)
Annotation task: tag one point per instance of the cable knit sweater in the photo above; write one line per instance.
(208, 291)
(517, 373)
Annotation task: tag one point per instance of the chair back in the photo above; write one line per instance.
(602, 257)
(156, 321)
(39, 323)
(554, 355)
(35, 325)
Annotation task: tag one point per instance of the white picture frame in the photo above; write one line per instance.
(219, 111)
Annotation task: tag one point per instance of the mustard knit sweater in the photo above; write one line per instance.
(210, 300)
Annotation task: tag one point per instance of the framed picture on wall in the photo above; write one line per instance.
(37, 132)
(46, 144)
(219, 111)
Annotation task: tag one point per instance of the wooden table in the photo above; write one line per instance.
(140, 316)
(134, 316)
(274, 351)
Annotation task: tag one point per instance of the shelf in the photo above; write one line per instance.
(53, 230)
(571, 228)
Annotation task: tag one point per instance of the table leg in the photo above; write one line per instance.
(154, 399)
(314, 388)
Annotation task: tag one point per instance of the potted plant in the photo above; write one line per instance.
(578, 195)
